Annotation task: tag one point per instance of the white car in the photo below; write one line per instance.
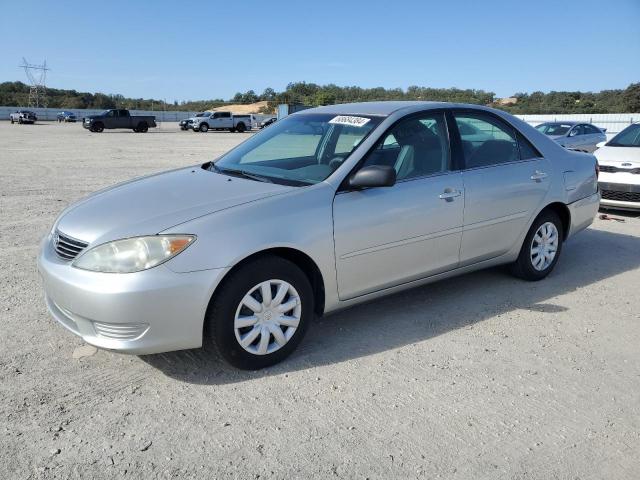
(619, 161)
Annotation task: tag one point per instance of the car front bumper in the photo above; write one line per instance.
(152, 311)
(624, 196)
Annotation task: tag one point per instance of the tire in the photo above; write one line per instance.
(143, 127)
(525, 266)
(20, 121)
(203, 127)
(241, 128)
(98, 127)
(135, 130)
(12, 122)
(227, 306)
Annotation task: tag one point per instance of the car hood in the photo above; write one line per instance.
(618, 155)
(155, 203)
(556, 137)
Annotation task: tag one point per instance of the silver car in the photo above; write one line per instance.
(325, 209)
(582, 137)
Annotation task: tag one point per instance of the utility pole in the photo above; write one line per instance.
(37, 76)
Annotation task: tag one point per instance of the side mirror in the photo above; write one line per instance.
(373, 176)
(573, 133)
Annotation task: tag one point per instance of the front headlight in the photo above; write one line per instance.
(133, 254)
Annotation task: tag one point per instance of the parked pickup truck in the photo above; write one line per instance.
(23, 116)
(221, 121)
(119, 118)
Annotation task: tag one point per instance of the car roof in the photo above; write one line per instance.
(568, 122)
(385, 108)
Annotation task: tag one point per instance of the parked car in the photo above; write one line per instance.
(619, 160)
(582, 137)
(23, 116)
(66, 117)
(221, 121)
(119, 118)
(268, 121)
(327, 208)
(187, 123)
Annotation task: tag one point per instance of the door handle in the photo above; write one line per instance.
(449, 194)
(538, 176)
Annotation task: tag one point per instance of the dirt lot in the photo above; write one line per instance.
(481, 376)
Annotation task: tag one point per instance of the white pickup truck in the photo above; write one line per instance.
(221, 121)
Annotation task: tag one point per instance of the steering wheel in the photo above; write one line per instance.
(335, 162)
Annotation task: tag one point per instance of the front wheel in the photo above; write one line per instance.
(260, 313)
(204, 127)
(12, 122)
(541, 248)
(98, 127)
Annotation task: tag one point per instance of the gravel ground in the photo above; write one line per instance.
(480, 376)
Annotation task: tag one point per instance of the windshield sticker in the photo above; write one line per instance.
(348, 120)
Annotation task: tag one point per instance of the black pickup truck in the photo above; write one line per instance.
(119, 118)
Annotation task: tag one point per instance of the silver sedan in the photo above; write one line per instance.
(325, 209)
(582, 137)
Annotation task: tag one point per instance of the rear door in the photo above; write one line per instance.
(392, 235)
(123, 119)
(505, 180)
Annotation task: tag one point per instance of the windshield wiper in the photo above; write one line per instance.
(241, 173)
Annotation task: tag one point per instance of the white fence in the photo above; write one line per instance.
(613, 122)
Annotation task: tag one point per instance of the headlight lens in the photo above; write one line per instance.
(133, 254)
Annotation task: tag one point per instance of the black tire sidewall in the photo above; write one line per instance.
(203, 128)
(220, 316)
(524, 266)
(241, 128)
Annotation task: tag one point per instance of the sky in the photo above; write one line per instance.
(202, 50)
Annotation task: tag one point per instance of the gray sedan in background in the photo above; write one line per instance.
(326, 208)
(582, 137)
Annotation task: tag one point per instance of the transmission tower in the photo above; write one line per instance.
(37, 76)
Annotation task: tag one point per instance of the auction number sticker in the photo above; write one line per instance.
(349, 120)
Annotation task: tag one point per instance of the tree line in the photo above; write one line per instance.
(606, 101)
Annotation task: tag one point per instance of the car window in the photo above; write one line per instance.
(590, 129)
(111, 113)
(414, 147)
(225, 114)
(300, 149)
(527, 150)
(492, 143)
(629, 137)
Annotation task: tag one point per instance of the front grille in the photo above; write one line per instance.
(67, 247)
(621, 196)
(611, 169)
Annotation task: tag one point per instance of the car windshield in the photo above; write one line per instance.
(629, 137)
(199, 114)
(554, 128)
(301, 149)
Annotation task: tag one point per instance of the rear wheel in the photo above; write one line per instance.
(260, 313)
(541, 248)
(204, 127)
(241, 127)
(143, 127)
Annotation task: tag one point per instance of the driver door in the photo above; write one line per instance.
(388, 236)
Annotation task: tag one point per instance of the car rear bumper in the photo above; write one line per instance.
(620, 195)
(582, 213)
(153, 311)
